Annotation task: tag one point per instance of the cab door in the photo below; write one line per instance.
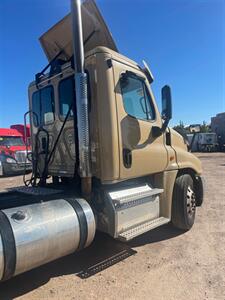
(140, 152)
(64, 162)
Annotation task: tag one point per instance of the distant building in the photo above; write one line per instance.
(218, 126)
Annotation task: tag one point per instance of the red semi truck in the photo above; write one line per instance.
(13, 152)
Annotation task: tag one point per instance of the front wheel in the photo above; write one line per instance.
(184, 202)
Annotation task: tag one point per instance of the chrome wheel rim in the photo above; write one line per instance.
(191, 201)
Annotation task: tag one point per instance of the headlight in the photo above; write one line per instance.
(10, 160)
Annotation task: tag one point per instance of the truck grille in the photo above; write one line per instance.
(21, 156)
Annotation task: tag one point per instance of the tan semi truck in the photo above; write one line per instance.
(96, 130)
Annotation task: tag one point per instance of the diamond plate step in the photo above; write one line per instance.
(131, 194)
(140, 229)
(36, 191)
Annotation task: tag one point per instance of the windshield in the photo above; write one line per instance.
(11, 141)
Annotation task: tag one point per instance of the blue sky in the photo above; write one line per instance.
(182, 40)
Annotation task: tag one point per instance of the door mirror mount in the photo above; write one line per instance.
(156, 131)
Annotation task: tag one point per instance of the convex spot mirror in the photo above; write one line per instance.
(166, 103)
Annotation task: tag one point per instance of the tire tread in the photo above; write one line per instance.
(180, 217)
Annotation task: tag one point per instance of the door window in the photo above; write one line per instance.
(43, 106)
(136, 98)
(66, 96)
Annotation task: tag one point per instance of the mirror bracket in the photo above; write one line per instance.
(156, 131)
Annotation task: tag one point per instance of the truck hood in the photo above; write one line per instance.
(95, 33)
(11, 151)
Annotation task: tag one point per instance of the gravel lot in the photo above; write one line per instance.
(162, 264)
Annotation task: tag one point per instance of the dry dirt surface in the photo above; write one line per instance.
(162, 264)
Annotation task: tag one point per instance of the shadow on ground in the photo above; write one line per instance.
(103, 253)
(159, 234)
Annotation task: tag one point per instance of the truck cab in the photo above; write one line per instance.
(123, 119)
(131, 147)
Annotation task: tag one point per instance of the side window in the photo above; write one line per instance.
(66, 95)
(136, 99)
(43, 106)
(47, 105)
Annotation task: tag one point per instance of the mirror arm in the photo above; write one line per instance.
(164, 126)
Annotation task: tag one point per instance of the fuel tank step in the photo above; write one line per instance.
(142, 228)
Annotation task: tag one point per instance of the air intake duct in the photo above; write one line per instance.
(35, 234)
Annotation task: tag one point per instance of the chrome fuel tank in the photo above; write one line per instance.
(33, 235)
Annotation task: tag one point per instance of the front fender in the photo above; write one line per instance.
(185, 159)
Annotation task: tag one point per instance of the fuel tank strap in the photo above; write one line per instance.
(9, 247)
(82, 222)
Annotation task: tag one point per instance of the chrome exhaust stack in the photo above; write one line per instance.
(35, 234)
(81, 93)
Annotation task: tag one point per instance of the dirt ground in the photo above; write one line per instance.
(162, 264)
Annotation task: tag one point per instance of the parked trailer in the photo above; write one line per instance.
(95, 124)
(203, 142)
(208, 142)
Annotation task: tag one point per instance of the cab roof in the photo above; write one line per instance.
(113, 54)
(109, 52)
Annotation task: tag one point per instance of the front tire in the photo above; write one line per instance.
(184, 202)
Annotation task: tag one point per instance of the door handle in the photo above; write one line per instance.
(127, 158)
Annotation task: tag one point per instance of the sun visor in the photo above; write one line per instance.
(95, 33)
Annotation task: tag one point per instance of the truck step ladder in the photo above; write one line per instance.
(142, 228)
(134, 210)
